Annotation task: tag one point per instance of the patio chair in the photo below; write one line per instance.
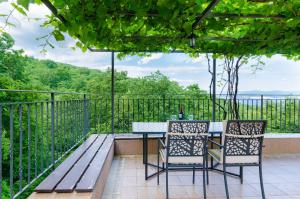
(185, 147)
(242, 143)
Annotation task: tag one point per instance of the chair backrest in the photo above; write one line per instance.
(187, 138)
(243, 137)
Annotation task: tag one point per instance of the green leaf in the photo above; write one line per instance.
(79, 44)
(187, 27)
(19, 9)
(24, 3)
(38, 2)
(58, 35)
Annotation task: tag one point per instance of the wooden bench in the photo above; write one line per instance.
(83, 174)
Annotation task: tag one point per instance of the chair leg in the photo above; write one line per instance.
(261, 182)
(204, 181)
(207, 177)
(167, 182)
(225, 181)
(241, 174)
(193, 175)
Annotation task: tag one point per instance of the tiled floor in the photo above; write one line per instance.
(281, 180)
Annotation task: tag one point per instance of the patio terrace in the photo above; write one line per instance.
(253, 27)
(126, 181)
(65, 128)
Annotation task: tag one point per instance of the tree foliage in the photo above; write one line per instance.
(21, 72)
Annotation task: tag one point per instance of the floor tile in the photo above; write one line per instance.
(127, 181)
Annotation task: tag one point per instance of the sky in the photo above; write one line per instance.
(278, 73)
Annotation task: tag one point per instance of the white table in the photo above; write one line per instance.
(160, 128)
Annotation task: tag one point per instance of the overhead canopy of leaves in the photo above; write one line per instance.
(237, 27)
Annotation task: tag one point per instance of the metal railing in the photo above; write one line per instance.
(34, 136)
(281, 112)
(38, 132)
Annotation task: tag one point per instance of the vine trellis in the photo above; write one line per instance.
(235, 27)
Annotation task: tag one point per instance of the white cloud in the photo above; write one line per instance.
(77, 58)
(196, 60)
(36, 15)
(152, 57)
(187, 82)
(135, 71)
(28, 29)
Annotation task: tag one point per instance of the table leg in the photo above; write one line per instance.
(145, 154)
(211, 158)
(164, 140)
(144, 150)
(145, 158)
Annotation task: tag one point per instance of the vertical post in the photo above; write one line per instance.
(11, 151)
(261, 107)
(214, 104)
(29, 144)
(113, 92)
(35, 139)
(52, 129)
(21, 147)
(164, 108)
(214, 90)
(85, 115)
(1, 151)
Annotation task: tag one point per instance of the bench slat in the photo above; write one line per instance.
(49, 183)
(90, 177)
(69, 182)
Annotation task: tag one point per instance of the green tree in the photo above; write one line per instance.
(11, 61)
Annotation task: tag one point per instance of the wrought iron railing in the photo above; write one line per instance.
(281, 112)
(39, 130)
(34, 136)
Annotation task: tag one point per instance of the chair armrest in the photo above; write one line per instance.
(216, 143)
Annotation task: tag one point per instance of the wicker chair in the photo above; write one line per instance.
(242, 143)
(185, 147)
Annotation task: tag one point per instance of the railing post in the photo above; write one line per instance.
(1, 151)
(261, 107)
(112, 92)
(52, 129)
(11, 153)
(164, 108)
(85, 115)
(214, 90)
